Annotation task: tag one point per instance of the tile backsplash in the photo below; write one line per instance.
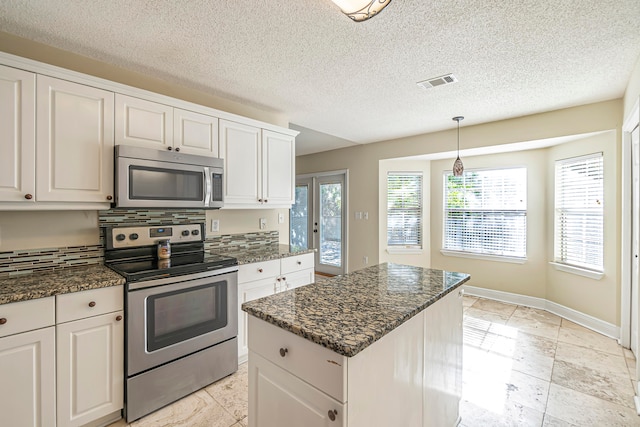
(29, 261)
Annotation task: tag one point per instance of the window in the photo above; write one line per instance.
(485, 212)
(579, 200)
(404, 209)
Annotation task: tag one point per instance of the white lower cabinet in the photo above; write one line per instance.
(410, 377)
(261, 279)
(90, 350)
(28, 363)
(27, 378)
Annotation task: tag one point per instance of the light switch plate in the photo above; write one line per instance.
(281, 218)
(263, 223)
(366, 215)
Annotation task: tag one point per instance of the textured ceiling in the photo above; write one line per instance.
(357, 81)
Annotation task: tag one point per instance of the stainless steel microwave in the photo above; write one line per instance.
(147, 178)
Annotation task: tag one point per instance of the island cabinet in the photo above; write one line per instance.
(259, 166)
(261, 279)
(409, 377)
(149, 124)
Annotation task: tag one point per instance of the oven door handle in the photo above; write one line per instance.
(164, 280)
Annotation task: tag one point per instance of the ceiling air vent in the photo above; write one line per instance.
(437, 81)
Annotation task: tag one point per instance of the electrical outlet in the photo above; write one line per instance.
(263, 223)
(365, 260)
(215, 225)
(280, 218)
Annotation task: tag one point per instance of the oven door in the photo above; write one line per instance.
(172, 320)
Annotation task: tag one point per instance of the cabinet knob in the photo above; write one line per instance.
(118, 318)
(92, 304)
(284, 351)
(169, 148)
(3, 321)
(260, 200)
(284, 278)
(109, 197)
(278, 279)
(259, 270)
(265, 200)
(332, 414)
(28, 196)
(177, 148)
(299, 262)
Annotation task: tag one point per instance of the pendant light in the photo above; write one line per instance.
(458, 168)
(361, 10)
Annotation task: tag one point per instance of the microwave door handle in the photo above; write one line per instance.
(208, 189)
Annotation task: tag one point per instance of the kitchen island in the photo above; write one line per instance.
(378, 347)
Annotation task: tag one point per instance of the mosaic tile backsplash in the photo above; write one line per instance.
(29, 261)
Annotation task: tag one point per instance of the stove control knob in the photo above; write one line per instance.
(185, 233)
(195, 232)
(120, 237)
(133, 236)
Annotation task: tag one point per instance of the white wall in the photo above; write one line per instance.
(422, 259)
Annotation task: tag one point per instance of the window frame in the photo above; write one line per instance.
(485, 255)
(406, 248)
(560, 263)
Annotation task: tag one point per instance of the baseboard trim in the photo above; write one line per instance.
(590, 322)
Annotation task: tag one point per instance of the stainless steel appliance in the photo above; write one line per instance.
(147, 178)
(181, 314)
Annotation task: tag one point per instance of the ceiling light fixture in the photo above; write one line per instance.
(361, 10)
(458, 168)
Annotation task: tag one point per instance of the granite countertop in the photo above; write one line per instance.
(63, 281)
(348, 313)
(260, 253)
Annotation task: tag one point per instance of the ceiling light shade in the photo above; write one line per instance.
(361, 10)
(458, 167)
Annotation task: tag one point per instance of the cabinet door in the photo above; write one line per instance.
(17, 135)
(443, 360)
(90, 371)
(195, 133)
(241, 150)
(74, 149)
(143, 123)
(249, 292)
(299, 278)
(280, 399)
(278, 168)
(27, 375)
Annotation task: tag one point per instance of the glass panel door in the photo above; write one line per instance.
(299, 216)
(328, 224)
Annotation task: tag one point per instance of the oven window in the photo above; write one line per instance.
(177, 316)
(146, 183)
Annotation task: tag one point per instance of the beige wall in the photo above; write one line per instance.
(33, 230)
(422, 259)
(526, 279)
(598, 298)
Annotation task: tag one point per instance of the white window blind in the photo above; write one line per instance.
(404, 209)
(485, 212)
(579, 202)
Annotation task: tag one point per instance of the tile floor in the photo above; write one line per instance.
(522, 367)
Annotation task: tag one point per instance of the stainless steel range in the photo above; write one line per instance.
(181, 313)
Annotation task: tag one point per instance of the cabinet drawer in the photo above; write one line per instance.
(297, 263)
(258, 270)
(27, 315)
(80, 305)
(308, 361)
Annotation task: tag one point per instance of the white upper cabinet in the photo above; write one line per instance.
(278, 168)
(17, 135)
(195, 133)
(143, 123)
(150, 124)
(240, 148)
(74, 150)
(259, 166)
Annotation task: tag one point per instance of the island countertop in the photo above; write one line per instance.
(348, 313)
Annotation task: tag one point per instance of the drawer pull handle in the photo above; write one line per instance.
(332, 414)
(92, 304)
(284, 351)
(3, 321)
(299, 262)
(259, 270)
(28, 196)
(118, 318)
(109, 197)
